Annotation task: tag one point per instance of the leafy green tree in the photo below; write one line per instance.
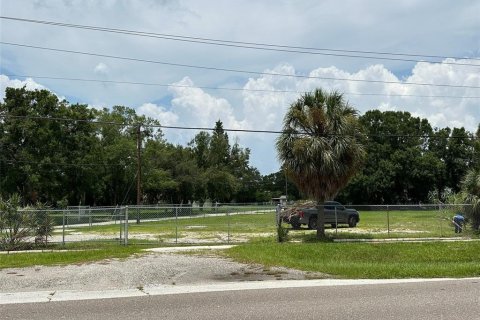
(458, 157)
(118, 154)
(321, 146)
(43, 156)
(219, 151)
(221, 185)
(471, 195)
(216, 159)
(185, 173)
(476, 149)
(406, 160)
(275, 185)
(57, 153)
(158, 180)
(119, 145)
(248, 178)
(200, 146)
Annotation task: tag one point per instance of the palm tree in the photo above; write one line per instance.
(321, 146)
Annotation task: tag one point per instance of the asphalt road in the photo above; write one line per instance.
(457, 299)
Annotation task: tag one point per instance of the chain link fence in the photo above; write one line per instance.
(406, 221)
(180, 224)
(199, 225)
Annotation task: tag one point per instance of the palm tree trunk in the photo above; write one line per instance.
(320, 219)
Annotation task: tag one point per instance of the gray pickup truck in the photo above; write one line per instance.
(335, 214)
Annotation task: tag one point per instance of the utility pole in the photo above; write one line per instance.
(139, 165)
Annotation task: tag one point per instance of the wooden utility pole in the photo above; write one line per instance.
(139, 165)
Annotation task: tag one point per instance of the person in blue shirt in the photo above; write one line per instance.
(458, 221)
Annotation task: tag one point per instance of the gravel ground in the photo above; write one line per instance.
(151, 269)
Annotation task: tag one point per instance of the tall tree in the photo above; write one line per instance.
(200, 146)
(224, 165)
(219, 154)
(458, 157)
(41, 155)
(406, 160)
(321, 146)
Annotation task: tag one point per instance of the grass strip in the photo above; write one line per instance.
(65, 257)
(367, 260)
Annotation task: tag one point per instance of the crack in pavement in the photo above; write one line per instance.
(50, 296)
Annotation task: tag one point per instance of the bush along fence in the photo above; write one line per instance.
(177, 224)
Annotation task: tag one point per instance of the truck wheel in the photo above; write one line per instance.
(352, 221)
(295, 223)
(312, 223)
(296, 226)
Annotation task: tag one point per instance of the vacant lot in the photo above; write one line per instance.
(239, 227)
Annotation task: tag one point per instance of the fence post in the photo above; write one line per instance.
(441, 221)
(176, 225)
(120, 219)
(228, 227)
(126, 226)
(63, 228)
(336, 222)
(388, 221)
(138, 214)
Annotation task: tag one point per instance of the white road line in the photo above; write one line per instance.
(72, 295)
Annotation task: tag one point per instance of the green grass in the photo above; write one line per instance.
(70, 254)
(247, 223)
(431, 223)
(365, 260)
(394, 224)
(373, 224)
(72, 218)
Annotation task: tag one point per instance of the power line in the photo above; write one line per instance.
(256, 45)
(422, 136)
(231, 88)
(65, 119)
(232, 70)
(14, 161)
(305, 133)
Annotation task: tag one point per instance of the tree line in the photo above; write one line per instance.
(62, 154)
(409, 161)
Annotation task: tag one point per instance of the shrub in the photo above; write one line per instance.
(15, 225)
(282, 233)
(43, 227)
(19, 227)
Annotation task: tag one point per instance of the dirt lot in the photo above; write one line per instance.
(150, 269)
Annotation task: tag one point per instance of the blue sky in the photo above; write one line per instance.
(443, 28)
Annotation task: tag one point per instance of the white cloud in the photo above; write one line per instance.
(5, 82)
(154, 111)
(195, 106)
(101, 68)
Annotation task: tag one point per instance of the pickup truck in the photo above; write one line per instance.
(308, 216)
